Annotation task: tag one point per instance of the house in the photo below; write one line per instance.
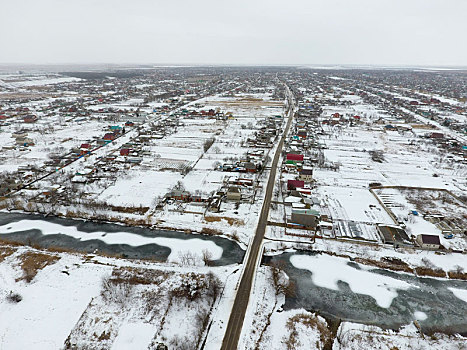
(428, 241)
(85, 149)
(233, 193)
(294, 157)
(250, 167)
(437, 135)
(110, 136)
(308, 218)
(302, 133)
(125, 151)
(294, 184)
(179, 195)
(30, 118)
(306, 174)
(79, 179)
(24, 141)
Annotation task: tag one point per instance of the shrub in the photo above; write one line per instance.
(32, 262)
(14, 297)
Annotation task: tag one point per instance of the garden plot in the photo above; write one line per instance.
(203, 180)
(140, 187)
(402, 163)
(353, 204)
(54, 137)
(160, 306)
(102, 303)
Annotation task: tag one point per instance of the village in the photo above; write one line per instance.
(160, 178)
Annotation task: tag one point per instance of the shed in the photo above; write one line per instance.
(233, 193)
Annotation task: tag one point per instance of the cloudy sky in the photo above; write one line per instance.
(377, 32)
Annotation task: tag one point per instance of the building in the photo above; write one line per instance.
(125, 151)
(294, 157)
(307, 218)
(306, 174)
(233, 193)
(30, 119)
(294, 184)
(393, 235)
(429, 241)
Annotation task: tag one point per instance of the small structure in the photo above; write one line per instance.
(429, 241)
(233, 193)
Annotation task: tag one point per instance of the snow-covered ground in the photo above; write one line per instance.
(83, 300)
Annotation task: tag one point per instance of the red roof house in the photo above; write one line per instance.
(294, 184)
(110, 136)
(125, 151)
(293, 156)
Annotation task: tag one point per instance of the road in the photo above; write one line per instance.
(234, 327)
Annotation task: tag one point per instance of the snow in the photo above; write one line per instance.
(177, 246)
(50, 306)
(135, 336)
(140, 188)
(420, 315)
(459, 293)
(38, 81)
(328, 270)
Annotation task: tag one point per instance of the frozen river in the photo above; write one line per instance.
(341, 289)
(129, 242)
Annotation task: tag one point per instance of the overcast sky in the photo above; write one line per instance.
(377, 32)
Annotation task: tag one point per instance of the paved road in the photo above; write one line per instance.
(234, 327)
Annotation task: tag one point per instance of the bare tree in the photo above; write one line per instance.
(280, 281)
(207, 257)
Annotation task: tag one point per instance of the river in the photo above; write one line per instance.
(429, 299)
(112, 239)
